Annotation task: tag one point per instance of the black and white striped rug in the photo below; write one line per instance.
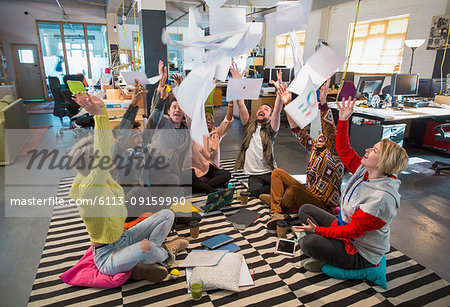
(279, 280)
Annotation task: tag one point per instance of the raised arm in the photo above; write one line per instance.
(243, 112)
(276, 113)
(159, 99)
(347, 154)
(326, 117)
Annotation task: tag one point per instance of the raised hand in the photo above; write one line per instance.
(177, 79)
(235, 71)
(160, 67)
(162, 83)
(284, 94)
(137, 94)
(279, 79)
(311, 227)
(324, 92)
(90, 103)
(346, 108)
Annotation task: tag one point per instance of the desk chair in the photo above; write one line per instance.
(73, 78)
(60, 107)
(442, 136)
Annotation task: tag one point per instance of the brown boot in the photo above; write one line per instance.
(272, 222)
(265, 199)
(173, 247)
(151, 272)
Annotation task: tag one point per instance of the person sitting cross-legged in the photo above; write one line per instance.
(359, 237)
(324, 170)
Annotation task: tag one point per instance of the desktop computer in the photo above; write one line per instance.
(436, 86)
(370, 85)
(407, 85)
(285, 74)
(337, 77)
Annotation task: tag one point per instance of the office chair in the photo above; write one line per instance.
(442, 136)
(60, 108)
(73, 78)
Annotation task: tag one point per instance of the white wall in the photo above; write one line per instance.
(16, 27)
(420, 15)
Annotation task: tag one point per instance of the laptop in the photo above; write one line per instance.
(216, 200)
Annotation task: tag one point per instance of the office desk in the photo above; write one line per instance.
(414, 118)
(119, 112)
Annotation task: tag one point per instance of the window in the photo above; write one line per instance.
(26, 56)
(283, 51)
(378, 45)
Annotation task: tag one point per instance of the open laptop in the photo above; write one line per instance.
(216, 200)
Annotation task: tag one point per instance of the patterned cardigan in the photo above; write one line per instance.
(325, 169)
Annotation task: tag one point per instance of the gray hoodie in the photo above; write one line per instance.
(377, 197)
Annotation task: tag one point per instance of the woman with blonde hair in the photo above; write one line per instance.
(359, 237)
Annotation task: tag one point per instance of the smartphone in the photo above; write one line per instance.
(285, 247)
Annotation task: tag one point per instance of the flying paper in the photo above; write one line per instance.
(129, 76)
(154, 80)
(250, 39)
(243, 89)
(226, 19)
(290, 15)
(296, 52)
(198, 125)
(317, 69)
(215, 3)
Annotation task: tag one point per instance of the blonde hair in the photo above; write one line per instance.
(81, 154)
(393, 158)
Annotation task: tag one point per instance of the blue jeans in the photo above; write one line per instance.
(125, 253)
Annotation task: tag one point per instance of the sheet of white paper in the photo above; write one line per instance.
(202, 258)
(245, 279)
(304, 109)
(198, 126)
(300, 178)
(324, 63)
(290, 15)
(222, 68)
(215, 3)
(296, 52)
(243, 89)
(129, 76)
(206, 42)
(193, 25)
(154, 80)
(226, 19)
(250, 39)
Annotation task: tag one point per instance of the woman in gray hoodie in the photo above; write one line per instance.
(359, 237)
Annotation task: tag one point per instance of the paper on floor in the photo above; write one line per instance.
(243, 89)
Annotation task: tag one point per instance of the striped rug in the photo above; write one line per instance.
(279, 280)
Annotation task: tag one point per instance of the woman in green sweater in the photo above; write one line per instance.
(100, 203)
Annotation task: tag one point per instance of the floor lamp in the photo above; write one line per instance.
(413, 44)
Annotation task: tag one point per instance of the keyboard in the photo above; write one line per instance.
(416, 104)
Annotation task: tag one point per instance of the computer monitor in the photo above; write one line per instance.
(186, 72)
(405, 84)
(349, 76)
(266, 75)
(285, 74)
(369, 85)
(424, 87)
(436, 86)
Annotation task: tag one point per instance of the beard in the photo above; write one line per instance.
(262, 120)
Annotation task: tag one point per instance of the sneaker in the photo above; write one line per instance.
(313, 265)
(174, 247)
(272, 223)
(151, 272)
(265, 199)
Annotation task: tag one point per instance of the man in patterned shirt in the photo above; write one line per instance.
(324, 170)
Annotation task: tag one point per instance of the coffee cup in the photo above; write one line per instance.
(244, 198)
(281, 228)
(194, 227)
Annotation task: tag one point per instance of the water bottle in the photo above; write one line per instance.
(230, 185)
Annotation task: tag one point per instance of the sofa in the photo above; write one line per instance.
(13, 116)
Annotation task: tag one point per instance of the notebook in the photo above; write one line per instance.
(202, 258)
(243, 218)
(230, 247)
(76, 86)
(216, 200)
(217, 241)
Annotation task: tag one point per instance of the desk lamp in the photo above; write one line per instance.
(413, 44)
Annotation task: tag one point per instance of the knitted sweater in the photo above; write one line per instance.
(324, 170)
(103, 211)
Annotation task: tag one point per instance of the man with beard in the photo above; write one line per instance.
(324, 170)
(256, 154)
(206, 172)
